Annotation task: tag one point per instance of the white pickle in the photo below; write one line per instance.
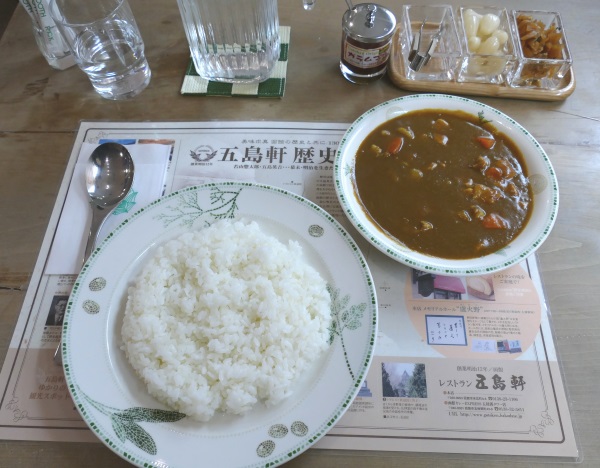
(488, 24)
(474, 43)
(490, 46)
(471, 21)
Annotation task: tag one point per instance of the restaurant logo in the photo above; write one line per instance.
(203, 153)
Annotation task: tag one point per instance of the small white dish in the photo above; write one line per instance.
(539, 170)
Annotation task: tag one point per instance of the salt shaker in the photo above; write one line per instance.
(367, 31)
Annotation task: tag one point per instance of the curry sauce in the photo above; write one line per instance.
(444, 183)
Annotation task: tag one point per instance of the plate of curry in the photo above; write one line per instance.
(446, 184)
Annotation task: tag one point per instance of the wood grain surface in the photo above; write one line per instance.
(41, 108)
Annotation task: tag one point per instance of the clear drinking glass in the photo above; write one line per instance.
(232, 41)
(106, 44)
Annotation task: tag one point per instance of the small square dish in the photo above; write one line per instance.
(429, 40)
(489, 51)
(543, 55)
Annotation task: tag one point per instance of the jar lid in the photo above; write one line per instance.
(369, 22)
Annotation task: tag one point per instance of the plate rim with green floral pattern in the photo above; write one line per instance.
(541, 173)
(114, 402)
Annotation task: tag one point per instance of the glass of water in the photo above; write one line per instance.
(232, 41)
(106, 44)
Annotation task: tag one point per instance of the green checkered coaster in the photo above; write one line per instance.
(272, 87)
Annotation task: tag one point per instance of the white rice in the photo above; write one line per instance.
(224, 317)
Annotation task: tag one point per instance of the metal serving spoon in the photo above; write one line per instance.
(108, 178)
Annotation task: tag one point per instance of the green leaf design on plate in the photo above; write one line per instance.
(223, 204)
(344, 317)
(501, 252)
(125, 422)
(118, 427)
(91, 307)
(315, 230)
(97, 284)
(482, 119)
(149, 415)
(277, 431)
(140, 437)
(265, 448)
(299, 428)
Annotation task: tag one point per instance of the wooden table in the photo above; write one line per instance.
(40, 111)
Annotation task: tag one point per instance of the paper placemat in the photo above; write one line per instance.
(272, 87)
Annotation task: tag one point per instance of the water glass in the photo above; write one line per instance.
(232, 41)
(106, 44)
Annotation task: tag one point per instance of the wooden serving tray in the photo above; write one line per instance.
(398, 77)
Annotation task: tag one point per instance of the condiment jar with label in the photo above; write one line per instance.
(367, 31)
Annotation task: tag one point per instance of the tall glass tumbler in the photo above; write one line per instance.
(232, 41)
(106, 43)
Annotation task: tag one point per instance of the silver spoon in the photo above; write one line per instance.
(108, 179)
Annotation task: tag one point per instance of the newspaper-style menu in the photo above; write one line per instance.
(462, 364)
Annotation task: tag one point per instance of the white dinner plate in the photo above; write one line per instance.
(113, 400)
(539, 170)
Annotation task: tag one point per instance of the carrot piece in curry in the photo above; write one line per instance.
(486, 142)
(495, 221)
(395, 145)
(494, 173)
